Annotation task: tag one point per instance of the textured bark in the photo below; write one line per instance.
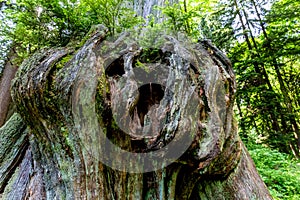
(241, 184)
(5, 97)
(13, 145)
(71, 101)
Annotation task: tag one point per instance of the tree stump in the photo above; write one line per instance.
(118, 119)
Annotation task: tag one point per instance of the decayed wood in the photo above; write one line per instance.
(13, 145)
(60, 101)
(21, 178)
(243, 183)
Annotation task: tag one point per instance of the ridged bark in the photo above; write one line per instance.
(61, 94)
(9, 72)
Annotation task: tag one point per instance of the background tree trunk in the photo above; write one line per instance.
(147, 9)
(5, 82)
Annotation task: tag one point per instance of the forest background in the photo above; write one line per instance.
(261, 38)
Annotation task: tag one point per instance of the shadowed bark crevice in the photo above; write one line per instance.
(116, 68)
(148, 95)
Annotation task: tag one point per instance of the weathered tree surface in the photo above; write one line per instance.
(9, 72)
(142, 100)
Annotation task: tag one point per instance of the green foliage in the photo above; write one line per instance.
(34, 24)
(180, 18)
(112, 13)
(199, 20)
(263, 46)
(279, 171)
(187, 17)
(150, 36)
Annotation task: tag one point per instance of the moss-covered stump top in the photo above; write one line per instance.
(128, 104)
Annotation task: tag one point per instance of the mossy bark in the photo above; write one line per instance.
(58, 152)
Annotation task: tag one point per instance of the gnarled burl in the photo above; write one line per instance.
(139, 100)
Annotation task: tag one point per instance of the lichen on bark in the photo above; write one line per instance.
(142, 99)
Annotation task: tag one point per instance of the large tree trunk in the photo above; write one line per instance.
(117, 120)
